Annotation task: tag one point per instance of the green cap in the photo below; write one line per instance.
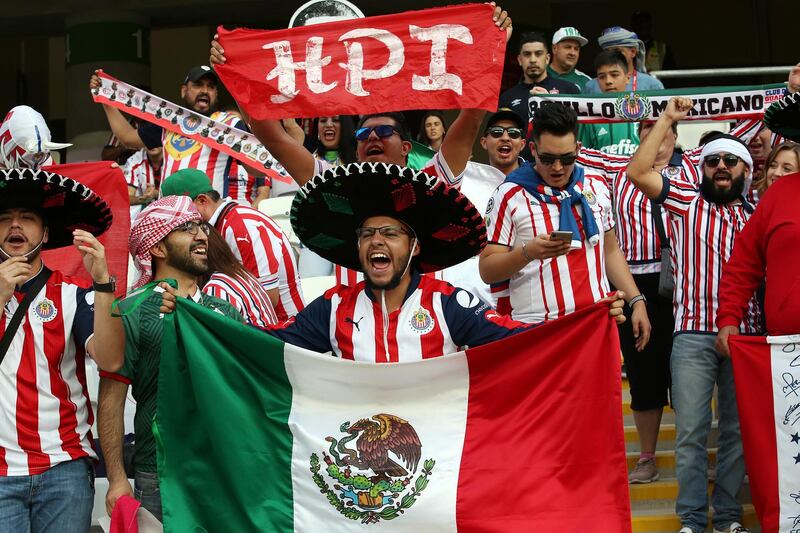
(187, 182)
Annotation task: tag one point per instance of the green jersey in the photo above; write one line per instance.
(573, 76)
(143, 331)
(619, 138)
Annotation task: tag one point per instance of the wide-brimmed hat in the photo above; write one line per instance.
(66, 204)
(328, 210)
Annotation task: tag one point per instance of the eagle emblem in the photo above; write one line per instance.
(378, 479)
(633, 107)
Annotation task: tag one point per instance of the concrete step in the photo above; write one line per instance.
(666, 437)
(659, 521)
(666, 489)
(665, 461)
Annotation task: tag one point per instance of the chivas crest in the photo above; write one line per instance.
(376, 480)
(633, 107)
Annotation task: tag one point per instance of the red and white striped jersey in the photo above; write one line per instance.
(183, 152)
(703, 234)
(437, 166)
(45, 413)
(246, 295)
(434, 319)
(243, 187)
(551, 288)
(264, 250)
(139, 174)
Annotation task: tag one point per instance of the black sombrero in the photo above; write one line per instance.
(329, 208)
(66, 204)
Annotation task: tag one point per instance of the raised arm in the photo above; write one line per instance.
(123, 130)
(640, 170)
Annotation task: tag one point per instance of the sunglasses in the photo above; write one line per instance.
(550, 159)
(498, 131)
(388, 232)
(192, 227)
(383, 131)
(730, 160)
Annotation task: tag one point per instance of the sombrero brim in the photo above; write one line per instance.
(329, 208)
(66, 204)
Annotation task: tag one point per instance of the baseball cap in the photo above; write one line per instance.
(187, 182)
(505, 113)
(568, 32)
(195, 73)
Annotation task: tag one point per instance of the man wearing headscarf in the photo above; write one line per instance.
(168, 240)
(705, 219)
(629, 44)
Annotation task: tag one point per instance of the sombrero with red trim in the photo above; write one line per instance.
(329, 208)
(66, 204)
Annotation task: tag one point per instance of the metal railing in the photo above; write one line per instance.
(728, 72)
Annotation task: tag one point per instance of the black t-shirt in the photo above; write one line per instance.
(516, 98)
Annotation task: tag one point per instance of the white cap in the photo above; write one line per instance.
(569, 32)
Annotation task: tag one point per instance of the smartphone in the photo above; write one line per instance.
(565, 236)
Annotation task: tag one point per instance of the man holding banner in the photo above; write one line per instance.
(705, 219)
(198, 93)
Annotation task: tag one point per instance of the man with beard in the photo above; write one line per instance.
(533, 57)
(705, 219)
(393, 224)
(198, 93)
(168, 240)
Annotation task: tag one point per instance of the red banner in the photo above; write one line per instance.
(109, 183)
(443, 58)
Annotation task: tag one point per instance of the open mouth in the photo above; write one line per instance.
(722, 178)
(200, 251)
(16, 240)
(379, 261)
(504, 150)
(374, 149)
(329, 135)
(202, 100)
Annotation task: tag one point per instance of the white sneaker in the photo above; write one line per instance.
(686, 529)
(735, 527)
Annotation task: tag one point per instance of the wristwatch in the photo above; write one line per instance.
(111, 286)
(637, 298)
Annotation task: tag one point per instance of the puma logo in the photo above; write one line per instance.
(355, 322)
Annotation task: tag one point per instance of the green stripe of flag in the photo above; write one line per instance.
(243, 461)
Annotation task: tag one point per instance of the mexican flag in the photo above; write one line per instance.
(767, 375)
(524, 434)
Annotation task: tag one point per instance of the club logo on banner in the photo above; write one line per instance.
(633, 107)
(393, 488)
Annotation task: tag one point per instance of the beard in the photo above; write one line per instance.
(722, 196)
(184, 261)
(212, 106)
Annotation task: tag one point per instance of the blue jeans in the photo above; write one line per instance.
(696, 367)
(147, 491)
(59, 500)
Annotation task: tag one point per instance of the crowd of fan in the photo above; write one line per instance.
(572, 212)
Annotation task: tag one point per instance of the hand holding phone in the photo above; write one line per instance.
(565, 236)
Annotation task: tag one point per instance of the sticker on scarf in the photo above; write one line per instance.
(421, 321)
(590, 197)
(490, 206)
(45, 310)
(672, 172)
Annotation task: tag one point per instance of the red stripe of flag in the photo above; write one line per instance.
(564, 468)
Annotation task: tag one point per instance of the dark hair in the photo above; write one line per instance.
(399, 119)
(221, 259)
(423, 136)
(347, 141)
(556, 119)
(214, 195)
(533, 37)
(610, 57)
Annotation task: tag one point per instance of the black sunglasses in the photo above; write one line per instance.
(730, 160)
(383, 131)
(550, 159)
(497, 132)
